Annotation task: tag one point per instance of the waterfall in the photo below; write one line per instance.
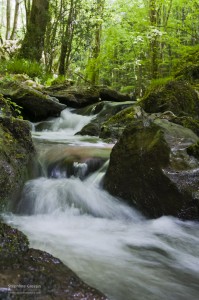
(108, 244)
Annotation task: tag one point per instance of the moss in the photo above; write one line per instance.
(13, 244)
(176, 96)
(115, 125)
(149, 168)
(188, 68)
(16, 153)
(194, 150)
(187, 122)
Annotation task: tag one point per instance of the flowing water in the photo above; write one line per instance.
(108, 244)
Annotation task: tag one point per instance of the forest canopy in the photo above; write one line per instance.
(120, 43)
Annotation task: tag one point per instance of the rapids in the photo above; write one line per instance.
(109, 245)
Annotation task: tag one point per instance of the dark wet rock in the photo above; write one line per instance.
(76, 167)
(187, 122)
(150, 168)
(79, 96)
(36, 105)
(16, 154)
(27, 273)
(104, 111)
(107, 94)
(74, 96)
(176, 96)
(115, 125)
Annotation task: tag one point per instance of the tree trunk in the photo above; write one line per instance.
(16, 16)
(67, 39)
(33, 43)
(153, 41)
(27, 4)
(97, 42)
(8, 13)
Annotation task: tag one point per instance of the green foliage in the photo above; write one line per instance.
(22, 66)
(157, 84)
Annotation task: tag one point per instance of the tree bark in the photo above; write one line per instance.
(27, 4)
(16, 16)
(8, 13)
(33, 43)
(153, 41)
(67, 39)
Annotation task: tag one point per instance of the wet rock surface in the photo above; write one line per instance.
(151, 169)
(27, 273)
(104, 111)
(16, 155)
(77, 97)
(35, 104)
(176, 96)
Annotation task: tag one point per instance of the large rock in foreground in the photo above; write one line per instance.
(36, 105)
(33, 274)
(16, 153)
(151, 169)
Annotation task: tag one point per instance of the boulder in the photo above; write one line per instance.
(74, 96)
(27, 273)
(115, 125)
(176, 96)
(16, 153)
(108, 94)
(35, 105)
(81, 96)
(151, 169)
(103, 110)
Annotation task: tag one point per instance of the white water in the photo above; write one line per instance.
(108, 244)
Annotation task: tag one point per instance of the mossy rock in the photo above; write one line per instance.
(189, 66)
(187, 122)
(104, 110)
(33, 274)
(114, 126)
(16, 155)
(5, 109)
(189, 72)
(151, 169)
(176, 96)
(74, 96)
(36, 105)
(13, 245)
(194, 150)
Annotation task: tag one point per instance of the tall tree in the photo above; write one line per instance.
(97, 41)
(16, 16)
(27, 4)
(67, 38)
(153, 17)
(8, 15)
(33, 43)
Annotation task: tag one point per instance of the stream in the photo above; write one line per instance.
(109, 245)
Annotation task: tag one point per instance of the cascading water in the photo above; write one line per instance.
(108, 244)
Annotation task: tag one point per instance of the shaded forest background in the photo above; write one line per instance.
(122, 44)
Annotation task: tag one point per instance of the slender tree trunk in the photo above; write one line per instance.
(153, 41)
(8, 12)
(67, 39)
(27, 4)
(33, 43)
(16, 16)
(97, 42)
